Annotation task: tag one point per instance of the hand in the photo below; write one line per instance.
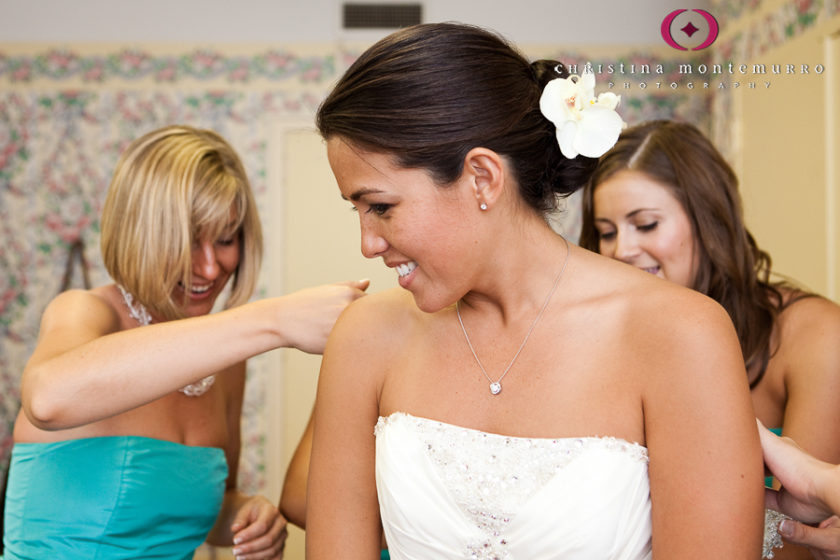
(800, 475)
(308, 315)
(823, 541)
(259, 531)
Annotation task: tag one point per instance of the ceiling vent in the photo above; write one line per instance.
(381, 16)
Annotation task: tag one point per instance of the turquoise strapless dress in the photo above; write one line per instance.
(768, 480)
(111, 498)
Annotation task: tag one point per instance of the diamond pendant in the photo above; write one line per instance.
(496, 388)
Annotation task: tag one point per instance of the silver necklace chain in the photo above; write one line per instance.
(143, 317)
(496, 386)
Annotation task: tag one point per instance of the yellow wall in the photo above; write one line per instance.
(323, 246)
(317, 237)
(832, 49)
(786, 159)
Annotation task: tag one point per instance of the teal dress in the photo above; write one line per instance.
(768, 480)
(111, 498)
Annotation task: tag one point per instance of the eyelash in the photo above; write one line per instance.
(221, 242)
(378, 209)
(643, 228)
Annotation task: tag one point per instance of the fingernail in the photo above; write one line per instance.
(786, 528)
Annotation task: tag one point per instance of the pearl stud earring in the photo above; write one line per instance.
(483, 206)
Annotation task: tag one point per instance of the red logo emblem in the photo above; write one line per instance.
(690, 29)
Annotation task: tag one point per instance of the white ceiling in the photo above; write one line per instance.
(563, 22)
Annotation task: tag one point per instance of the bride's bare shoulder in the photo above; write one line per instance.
(643, 306)
(381, 319)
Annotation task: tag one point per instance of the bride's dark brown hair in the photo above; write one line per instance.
(732, 269)
(428, 94)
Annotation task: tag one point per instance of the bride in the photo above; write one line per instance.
(517, 396)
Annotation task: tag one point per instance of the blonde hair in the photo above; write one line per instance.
(172, 187)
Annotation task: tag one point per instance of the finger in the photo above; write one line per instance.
(833, 521)
(280, 545)
(270, 545)
(259, 535)
(283, 536)
(267, 554)
(358, 284)
(249, 538)
(771, 499)
(271, 554)
(798, 533)
(251, 549)
(240, 521)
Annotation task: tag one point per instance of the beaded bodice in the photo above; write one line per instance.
(506, 497)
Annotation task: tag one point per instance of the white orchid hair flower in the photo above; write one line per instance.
(586, 125)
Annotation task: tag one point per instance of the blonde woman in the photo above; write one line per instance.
(128, 440)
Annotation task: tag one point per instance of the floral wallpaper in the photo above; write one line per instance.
(66, 113)
(61, 133)
(749, 29)
(792, 14)
(132, 64)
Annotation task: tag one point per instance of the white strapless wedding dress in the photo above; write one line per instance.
(447, 492)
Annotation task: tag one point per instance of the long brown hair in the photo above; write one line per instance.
(732, 269)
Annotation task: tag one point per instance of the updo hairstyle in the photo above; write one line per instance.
(430, 93)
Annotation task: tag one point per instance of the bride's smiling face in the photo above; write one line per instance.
(640, 222)
(417, 227)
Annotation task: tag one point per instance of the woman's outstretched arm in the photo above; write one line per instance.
(83, 356)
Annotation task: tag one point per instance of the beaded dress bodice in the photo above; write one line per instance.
(452, 492)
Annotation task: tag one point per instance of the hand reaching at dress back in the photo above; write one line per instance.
(810, 493)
